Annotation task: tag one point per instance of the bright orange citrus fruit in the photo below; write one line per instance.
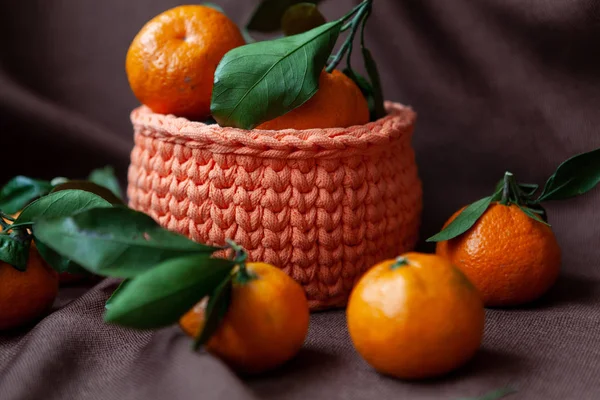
(265, 325)
(338, 103)
(511, 258)
(415, 317)
(171, 62)
(25, 296)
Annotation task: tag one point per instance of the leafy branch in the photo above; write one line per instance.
(264, 80)
(576, 176)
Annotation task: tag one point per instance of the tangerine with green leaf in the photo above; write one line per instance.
(292, 82)
(504, 243)
(415, 317)
(264, 325)
(338, 103)
(511, 258)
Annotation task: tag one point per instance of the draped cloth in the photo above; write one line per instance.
(498, 85)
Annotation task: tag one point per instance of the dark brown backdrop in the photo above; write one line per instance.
(498, 84)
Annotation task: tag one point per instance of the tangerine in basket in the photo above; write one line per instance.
(266, 322)
(338, 103)
(415, 317)
(26, 295)
(172, 60)
(510, 257)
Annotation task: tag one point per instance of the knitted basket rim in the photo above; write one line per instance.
(287, 143)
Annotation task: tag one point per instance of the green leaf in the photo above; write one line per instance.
(20, 191)
(263, 80)
(116, 292)
(209, 121)
(464, 221)
(160, 296)
(493, 395)
(378, 108)
(365, 88)
(217, 307)
(528, 189)
(59, 263)
(300, 18)
(215, 6)
(539, 210)
(60, 204)
(372, 71)
(267, 16)
(105, 177)
(578, 175)
(532, 214)
(14, 251)
(91, 187)
(116, 241)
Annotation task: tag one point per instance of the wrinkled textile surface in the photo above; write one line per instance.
(498, 84)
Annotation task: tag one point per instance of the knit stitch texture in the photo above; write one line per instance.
(322, 204)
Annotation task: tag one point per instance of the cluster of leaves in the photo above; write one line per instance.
(264, 80)
(165, 273)
(37, 199)
(577, 175)
(83, 226)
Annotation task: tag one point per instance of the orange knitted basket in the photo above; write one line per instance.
(322, 204)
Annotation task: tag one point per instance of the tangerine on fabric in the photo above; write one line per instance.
(511, 258)
(338, 103)
(415, 317)
(172, 60)
(26, 295)
(265, 325)
(322, 204)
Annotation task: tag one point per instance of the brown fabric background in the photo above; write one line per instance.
(498, 84)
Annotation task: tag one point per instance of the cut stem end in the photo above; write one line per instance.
(400, 262)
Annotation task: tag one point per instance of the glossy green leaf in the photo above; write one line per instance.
(263, 80)
(377, 110)
(209, 121)
(373, 72)
(493, 395)
(578, 175)
(533, 215)
(217, 307)
(539, 210)
(528, 189)
(106, 177)
(20, 191)
(464, 221)
(60, 204)
(14, 251)
(116, 292)
(300, 18)
(160, 296)
(91, 187)
(365, 88)
(114, 241)
(59, 263)
(267, 16)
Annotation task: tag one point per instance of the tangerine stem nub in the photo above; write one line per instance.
(240, 257)
(400, 262)
(506, 190)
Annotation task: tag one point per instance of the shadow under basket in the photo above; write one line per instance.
(322, 204)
